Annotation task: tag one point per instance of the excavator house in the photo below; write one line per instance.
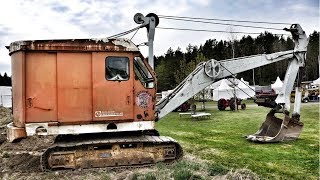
(98, 96)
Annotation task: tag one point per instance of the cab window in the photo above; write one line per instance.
(142, 73)
(117, 68)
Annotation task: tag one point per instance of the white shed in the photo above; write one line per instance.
(244, 90)
(6, 96)
(276, 86)
(317, 81)
(222, 91)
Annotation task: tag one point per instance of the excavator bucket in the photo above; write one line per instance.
(274, 129)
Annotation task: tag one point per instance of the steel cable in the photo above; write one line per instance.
(125, 32)
(205, 30)
(225, 24)
(228, 20)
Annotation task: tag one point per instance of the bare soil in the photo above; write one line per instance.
(22, 156)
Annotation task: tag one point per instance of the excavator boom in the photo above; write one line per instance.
(212, 70)
(208, 72)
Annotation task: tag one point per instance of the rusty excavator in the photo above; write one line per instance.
(98, 96)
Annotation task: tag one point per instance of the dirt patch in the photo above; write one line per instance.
(3, 137)
(33, 143)
(19, 163)
(5, 116)
(22, 156)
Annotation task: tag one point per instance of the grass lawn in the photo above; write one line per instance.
(220, 140)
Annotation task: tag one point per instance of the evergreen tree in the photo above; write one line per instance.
(5, 80)
(312, 64)
(1, 80)
(174, 66)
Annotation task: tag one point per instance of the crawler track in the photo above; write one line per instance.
(110, 152)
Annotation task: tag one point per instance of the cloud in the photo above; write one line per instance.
(4, 31)
(54, 19)
(60, 8)
(4, 68)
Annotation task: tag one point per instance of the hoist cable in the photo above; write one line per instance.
(233, 75)
(225, 24)
(239, 88)
(228, 20)
(206, 30)
(134, 34)
(124, 33)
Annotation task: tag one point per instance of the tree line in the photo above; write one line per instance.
(5, 80)
(175, 65)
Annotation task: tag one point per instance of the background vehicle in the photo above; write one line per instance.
(99, 97)
(311, 95)
(224, 103)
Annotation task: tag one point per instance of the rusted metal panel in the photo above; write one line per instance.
(41, 87)
(104, 45)
(18, 88)
(74, 87)
(146, 113)
(112, 100)
(66, 83)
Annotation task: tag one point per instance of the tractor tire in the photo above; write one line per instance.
(184, 107)
(193, 108)
(221, 104)
(233, 105)
(243, 106)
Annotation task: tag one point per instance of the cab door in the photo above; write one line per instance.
(112, 86)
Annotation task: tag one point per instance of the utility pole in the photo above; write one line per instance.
(233, 38)
(254, 83)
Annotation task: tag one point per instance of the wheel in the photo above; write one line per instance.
(221, 104)
(184, 107)
(155, 17)
(193, 108)
(243, 106)
(233, 104)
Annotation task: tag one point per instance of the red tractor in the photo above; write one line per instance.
(183, 107)
(224, 103)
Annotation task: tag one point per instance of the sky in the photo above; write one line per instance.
(72, 19)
